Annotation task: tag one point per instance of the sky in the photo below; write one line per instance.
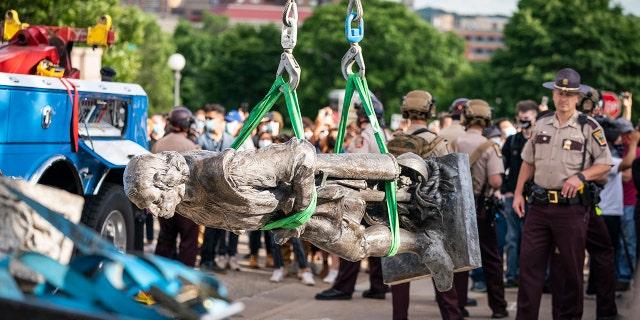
(504, 7)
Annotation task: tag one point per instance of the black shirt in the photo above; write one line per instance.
(511, 156)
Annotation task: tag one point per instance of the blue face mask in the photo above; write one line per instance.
(210, 125)
(157, 128)
(199, 125)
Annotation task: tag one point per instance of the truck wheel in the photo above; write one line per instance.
(110, 213)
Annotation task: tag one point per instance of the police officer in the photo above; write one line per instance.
(453, 131)
(599, 245)
(419, 106)
(344, 285)
(180, 120)
(565, 152)
(486, 175)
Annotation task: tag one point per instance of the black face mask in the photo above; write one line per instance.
(525, 124)
(619, 148)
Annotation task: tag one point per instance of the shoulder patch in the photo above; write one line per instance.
(547, 114)
(600, 138)
(498, 150)
(592, 123)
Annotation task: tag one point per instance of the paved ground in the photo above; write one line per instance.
(292, 300)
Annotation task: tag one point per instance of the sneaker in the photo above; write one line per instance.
(479, 286)
(253, 261)
(307, 278)
(331, 277)
(511, 283)
(233, 264)
(222, 261)
(276, 276)
(211, 266)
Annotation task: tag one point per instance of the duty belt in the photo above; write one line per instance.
(555, 197)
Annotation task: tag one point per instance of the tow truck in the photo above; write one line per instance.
(72, 134)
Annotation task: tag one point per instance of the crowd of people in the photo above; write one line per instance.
(551, 187)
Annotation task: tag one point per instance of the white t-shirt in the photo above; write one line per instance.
(611, 197)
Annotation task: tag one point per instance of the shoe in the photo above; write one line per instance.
(233, 264)
(500, 314)
(333, 294)
(465, 313)
(589, 296)
(613, 317)
(269, 263)
(276, 276)
(211, 266)
(372, 295)
(471, 302)
(253, 261)
(331, 277)
(479, 286)
(307, 278)
(511, 283)
(622, 286)
(222, 261)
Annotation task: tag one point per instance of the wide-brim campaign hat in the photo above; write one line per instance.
(567, 80)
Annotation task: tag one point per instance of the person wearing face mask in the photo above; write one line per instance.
(526, 113)
(157, 129)
(264, 139)
(233, 125)
(215, 138)
(200, 119)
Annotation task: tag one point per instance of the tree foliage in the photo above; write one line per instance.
(544, 36)
(401, 52)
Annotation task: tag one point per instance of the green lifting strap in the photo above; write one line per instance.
(354, 82)
(256, 115)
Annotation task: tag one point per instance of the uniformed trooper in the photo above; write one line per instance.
(419, 106)
(566, 151)
(485, 160)
(453, 131)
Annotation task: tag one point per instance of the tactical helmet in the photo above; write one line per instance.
(455, 110)
(476, 109)
(590, 101)
(421, 101)
(180, 117)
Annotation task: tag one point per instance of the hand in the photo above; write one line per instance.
(626, 100)
(518, 205)
(570, 187)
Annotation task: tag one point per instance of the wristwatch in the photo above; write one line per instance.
(581, 177)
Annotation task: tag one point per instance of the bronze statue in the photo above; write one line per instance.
(245, 190)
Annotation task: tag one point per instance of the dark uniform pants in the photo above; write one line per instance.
(348, 275)
(602, 272)
(167, 239)
(559, 231)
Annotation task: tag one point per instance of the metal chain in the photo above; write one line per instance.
(358, 5)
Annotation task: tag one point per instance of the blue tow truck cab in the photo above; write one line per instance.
(76, 135)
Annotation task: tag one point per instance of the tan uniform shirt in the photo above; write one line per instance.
(488, 164)
(174, 142)
(452, 132)
(365, 142)
(556, 152)
(440, 150)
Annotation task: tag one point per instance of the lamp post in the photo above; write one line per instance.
(176, 63)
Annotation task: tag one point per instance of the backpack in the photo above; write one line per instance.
(403, 143)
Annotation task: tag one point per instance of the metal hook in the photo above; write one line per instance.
(289, 35)
(288, 62)
(354, 55)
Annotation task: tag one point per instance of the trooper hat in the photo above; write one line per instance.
(567, 80)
